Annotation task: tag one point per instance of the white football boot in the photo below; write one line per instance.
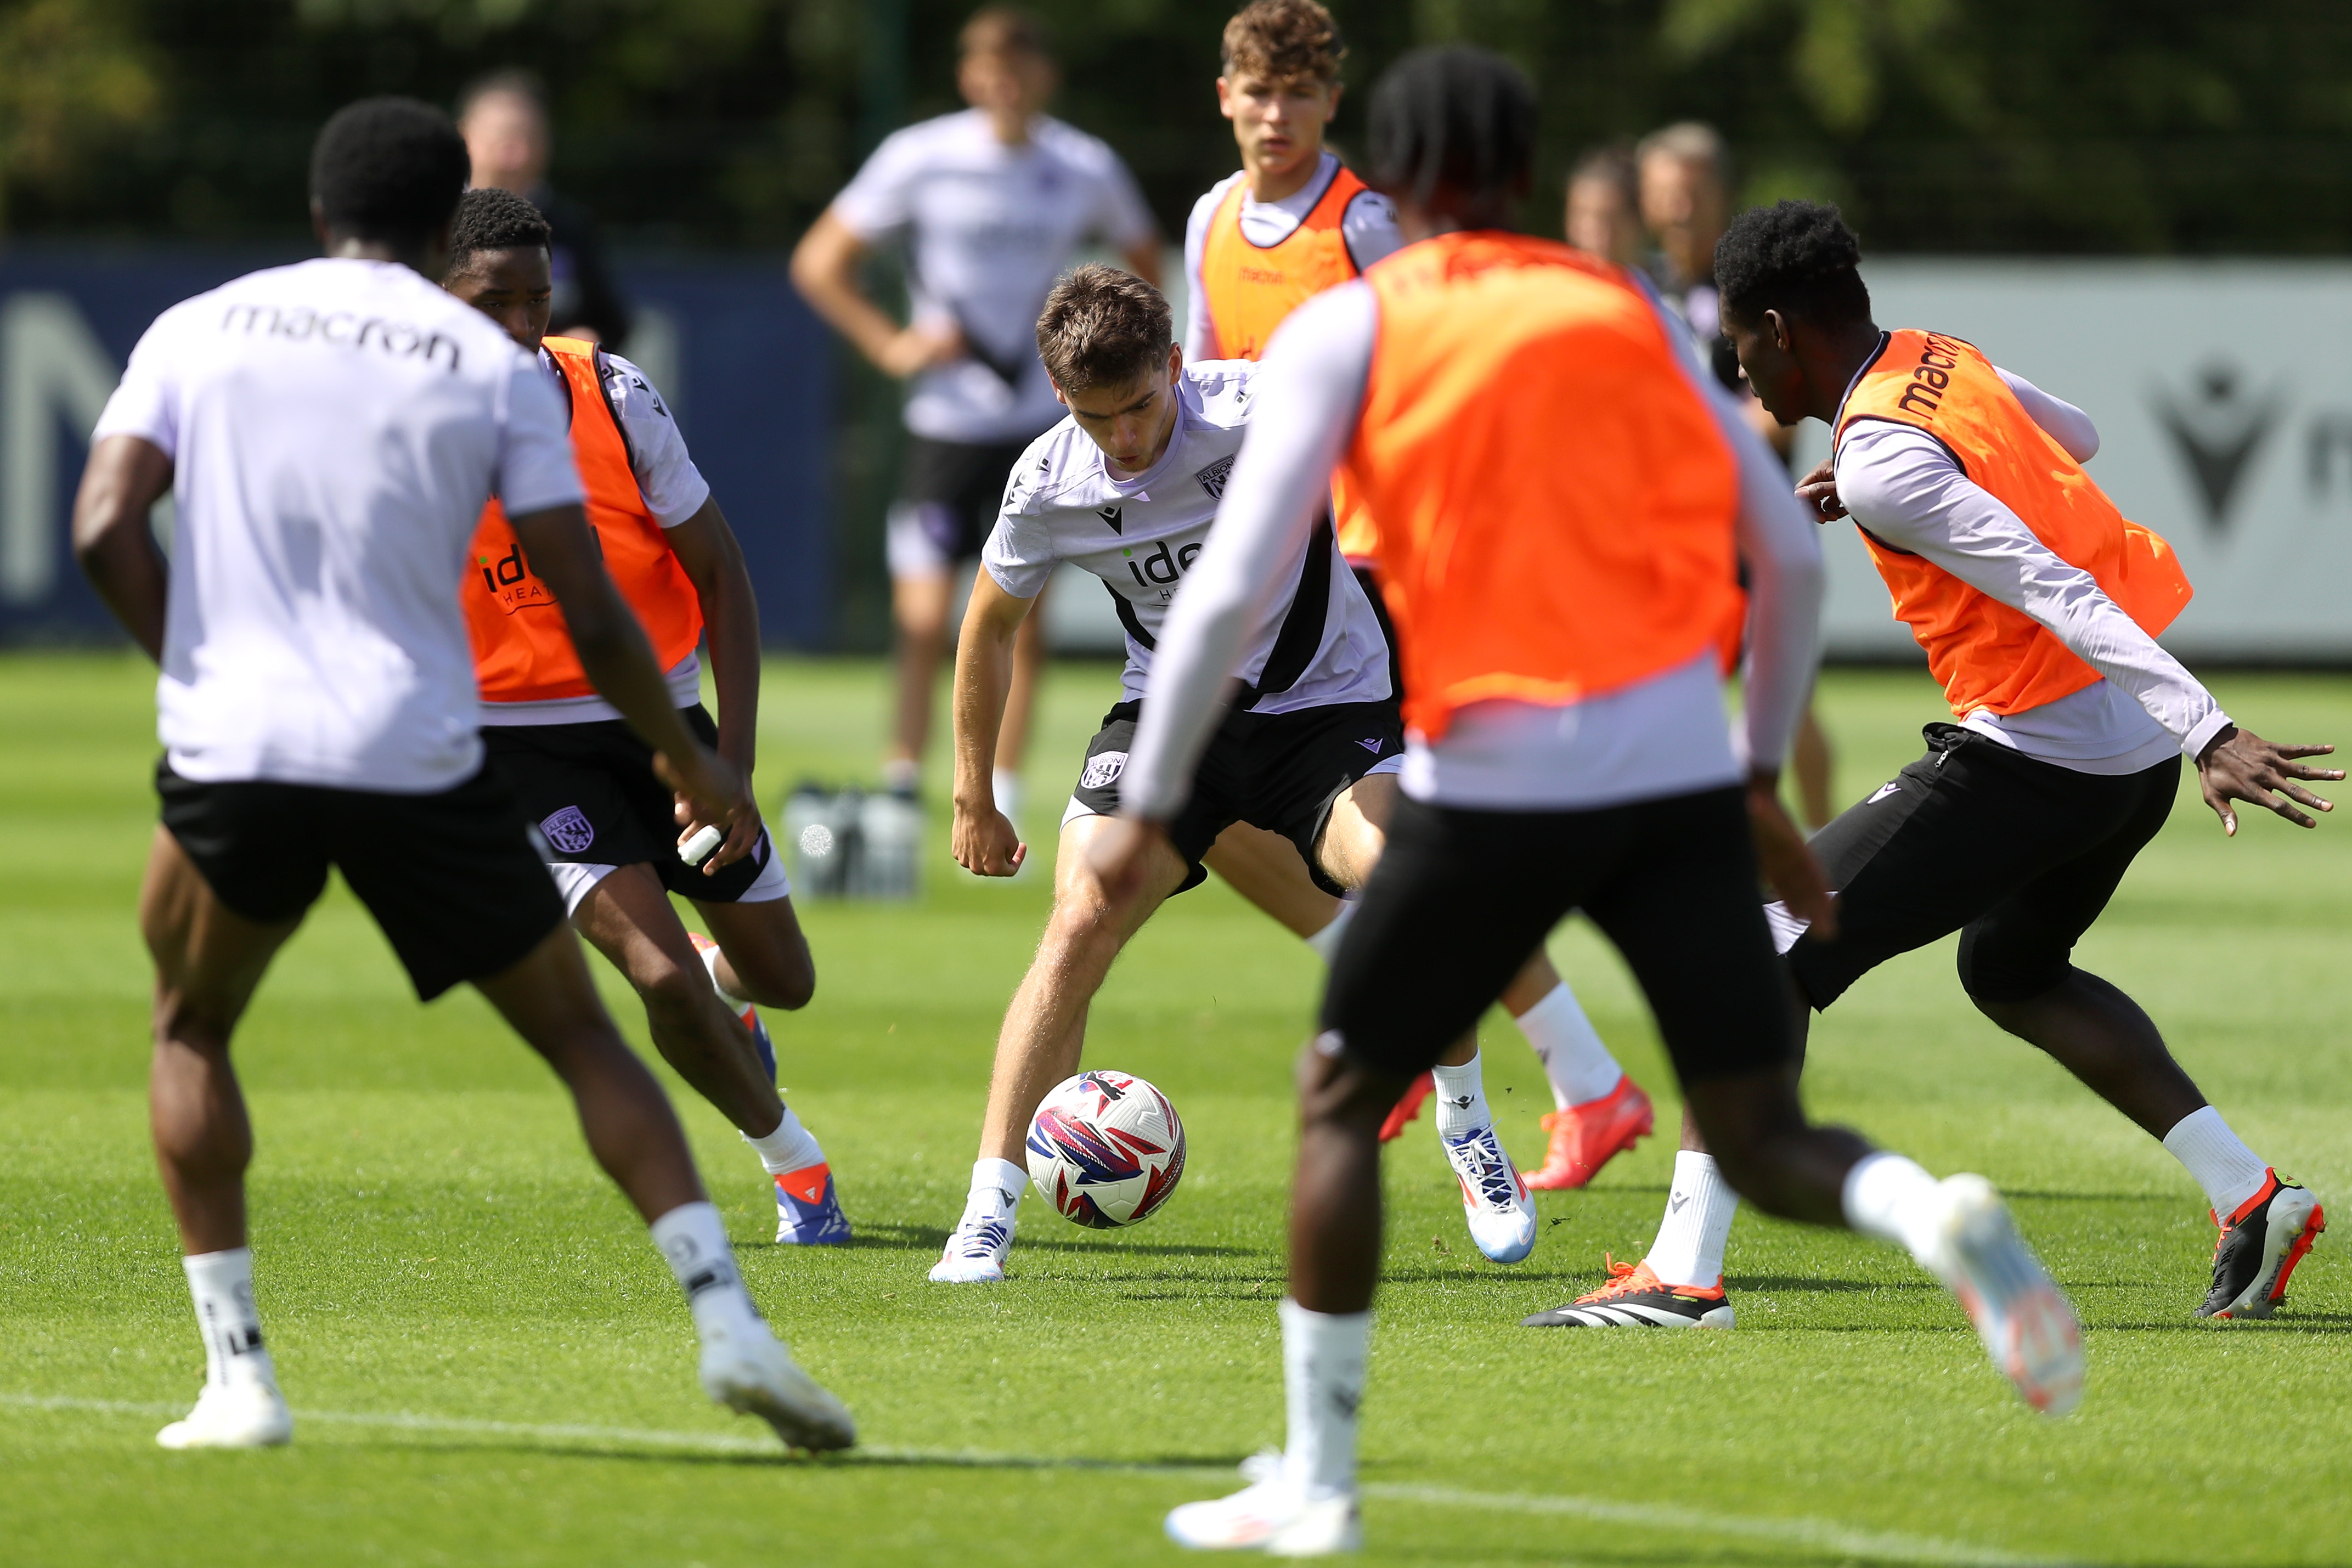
(2027, 1326)
(246, 1415)
(755, 1375)
(1494, 1201)
(975, 1252)
(1273, 1517)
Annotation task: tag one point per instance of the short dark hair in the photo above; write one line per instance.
(1103, 327)
(388, 168)
(513, 82)
(1612, 163)
(493, 219)
(1004, 30)
(1797, 258)
(1460, 118)
(1284, 41)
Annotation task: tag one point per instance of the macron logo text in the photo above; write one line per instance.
(341, 327)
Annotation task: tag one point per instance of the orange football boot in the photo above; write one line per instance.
(1407, 1107)
(1588, 1136)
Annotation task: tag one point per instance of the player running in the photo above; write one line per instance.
(991, 204)
(1559, 500)
(2038, 603)
(330, 431)
(584, 775)
(1291, 223)
(1127, 487)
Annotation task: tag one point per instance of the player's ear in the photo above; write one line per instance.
(1776, 328)
(1175, 362)
(1059, 395)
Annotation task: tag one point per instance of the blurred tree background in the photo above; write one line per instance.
(2081, 126)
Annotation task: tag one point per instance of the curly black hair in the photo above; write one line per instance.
(493, 219)
(388, 169)
(1458, 117)
(1797, 258)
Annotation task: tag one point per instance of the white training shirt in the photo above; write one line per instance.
(674, 489)
(1144, 535)
(1368, 227)
(1660, 737)
(1905, 487)
(335, 427)
(988, 228)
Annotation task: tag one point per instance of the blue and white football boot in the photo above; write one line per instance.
(808, 1211)
(1494, 1201)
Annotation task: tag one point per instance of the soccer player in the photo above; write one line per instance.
(1291, 223)
(330, 431)
(1558, 497)
(503, 118)
(991, 204)
(585, 776)
(2038, 603)
(1126, 488)
(1604, 206)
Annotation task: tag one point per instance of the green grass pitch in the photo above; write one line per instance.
(490, 1365)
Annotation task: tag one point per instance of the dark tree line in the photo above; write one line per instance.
(1945, 125)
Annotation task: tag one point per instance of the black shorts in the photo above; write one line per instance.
(452, 879)
(2017, 854)
(949, 493)
(1461, 898)
(591, 788)
(1281, 771)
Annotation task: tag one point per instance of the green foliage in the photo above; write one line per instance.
(1946, 125)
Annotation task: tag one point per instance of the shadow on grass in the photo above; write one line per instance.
(1800, 1282)
(1173, 1465)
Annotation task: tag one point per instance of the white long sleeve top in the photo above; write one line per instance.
(1663, 736)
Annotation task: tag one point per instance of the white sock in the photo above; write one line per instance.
(1323, 1379)
(1461, 1100)
(695, 1241)
(1896, 1200)
(710, 956)
(1698, 1221)
(1573, 1056)
(996, 1189)
(1326, 942)
(2228, 1171)
(791, 1147)
(1006, 782)
(221, 1284)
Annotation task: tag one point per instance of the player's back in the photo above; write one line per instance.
(335, 427)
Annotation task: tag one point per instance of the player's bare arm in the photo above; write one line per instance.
(125, 477)
(985, 841)
(825, 269)
(1786, 860)
(620, 664)
(713, 559)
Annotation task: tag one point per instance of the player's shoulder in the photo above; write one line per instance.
(629, 384)
(1217, 392)
(1213, 197)
(1068, 144)
(381, 305)
(1059, 469)
(926, 141)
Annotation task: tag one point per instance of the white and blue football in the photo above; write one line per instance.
(1106, 1149)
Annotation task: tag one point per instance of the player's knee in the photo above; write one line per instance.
(673, 996)
(788, 985)
(1336, 1091)
(1999, 978)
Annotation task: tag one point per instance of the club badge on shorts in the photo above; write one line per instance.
(1103, 770)
(569, 830)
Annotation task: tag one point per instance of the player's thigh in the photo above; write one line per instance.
(209, 959)
(1085, 911)
(547, 997)
(1355, 830)
(2024, 945)
(1266, 869)
(628, 918)
(1680, 906)
(1457, 902)
(764, 943)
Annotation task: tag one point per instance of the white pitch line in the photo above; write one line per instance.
(1819, 1535)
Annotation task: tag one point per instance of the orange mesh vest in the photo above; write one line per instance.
(522, 649)
(1987, 654)
(1556, 500)
(1250, 289)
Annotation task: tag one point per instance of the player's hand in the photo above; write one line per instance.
(2240, 765)
(1119, 853)
(1786, 859)
(710, 792)
(918, 348)
(1817, 490)
(985, 842)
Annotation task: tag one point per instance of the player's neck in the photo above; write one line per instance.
(1010, 126)
(1277, 185)
(1836, 363)
(358, 247)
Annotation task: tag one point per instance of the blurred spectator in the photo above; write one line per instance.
(503, 118)
(1604, 206)
(990, 205)
(1685, 173)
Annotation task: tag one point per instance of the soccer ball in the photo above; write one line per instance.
(1106, 1149)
